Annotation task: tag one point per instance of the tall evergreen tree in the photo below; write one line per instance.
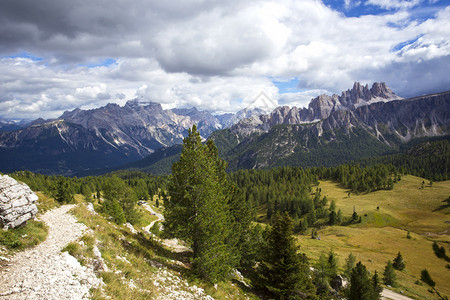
(197, 210)
(389, 277)
(63, 192)
(120, 201)
(332, 264)
(350, 263)
(361, 287)
(399, 263)
(377, 289)
(281, 270)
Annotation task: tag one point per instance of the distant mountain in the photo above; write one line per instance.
(104, 137)
(360, 123)
(10, 125)
(345, 135)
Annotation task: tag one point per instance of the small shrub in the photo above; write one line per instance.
(73, 248)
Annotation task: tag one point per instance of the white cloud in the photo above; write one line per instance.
(395, 4)
(214, 55)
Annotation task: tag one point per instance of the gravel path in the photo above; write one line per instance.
(159, 216)
(388, 294)
(44, 272)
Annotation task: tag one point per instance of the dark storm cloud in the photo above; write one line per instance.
(423, 77)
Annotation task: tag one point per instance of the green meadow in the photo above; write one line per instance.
(387, 216)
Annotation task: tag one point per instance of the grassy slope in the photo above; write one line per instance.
(145, 256)
(383, 233)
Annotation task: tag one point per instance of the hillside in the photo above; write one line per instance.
(382, 233)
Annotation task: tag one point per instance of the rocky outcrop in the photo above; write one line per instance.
(17, 202)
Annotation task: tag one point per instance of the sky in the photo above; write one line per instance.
(215, 55)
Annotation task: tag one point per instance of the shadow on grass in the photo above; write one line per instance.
(146, 244)
(442, 207)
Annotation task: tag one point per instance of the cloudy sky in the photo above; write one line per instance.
(57, 55)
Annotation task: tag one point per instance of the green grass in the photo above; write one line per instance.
(17, 239)
(406, 206)
(45, 202)
(382, 232)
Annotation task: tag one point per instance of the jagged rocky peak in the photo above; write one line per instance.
(380, 89)
(361, 94)
(322, 106)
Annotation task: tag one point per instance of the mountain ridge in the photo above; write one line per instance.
(114, 135)
(346, 135)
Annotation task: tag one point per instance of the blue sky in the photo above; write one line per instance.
(217, 56)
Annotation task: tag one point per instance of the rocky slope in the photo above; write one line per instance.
(81, 141)
(319, 108)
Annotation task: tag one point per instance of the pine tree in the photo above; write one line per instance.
(197, 210)
(321, 275)
(350, 262)
(113, 208)
(304, 225)
(361, 287)
(281, 270)
(63, 193)
(332, 264)
(354, 215)
(332, 219)
(332, 205)
(399, 263)
(389, 277)
(115, 190)
(377, 289)
(339, 217)
(86, 192)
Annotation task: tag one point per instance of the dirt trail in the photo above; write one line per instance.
(44, 272)
(159, 216)
(388, 294)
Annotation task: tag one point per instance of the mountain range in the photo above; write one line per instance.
(104, 137)
(361, 122)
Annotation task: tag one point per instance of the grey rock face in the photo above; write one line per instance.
(320, 108)
(17, 202)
